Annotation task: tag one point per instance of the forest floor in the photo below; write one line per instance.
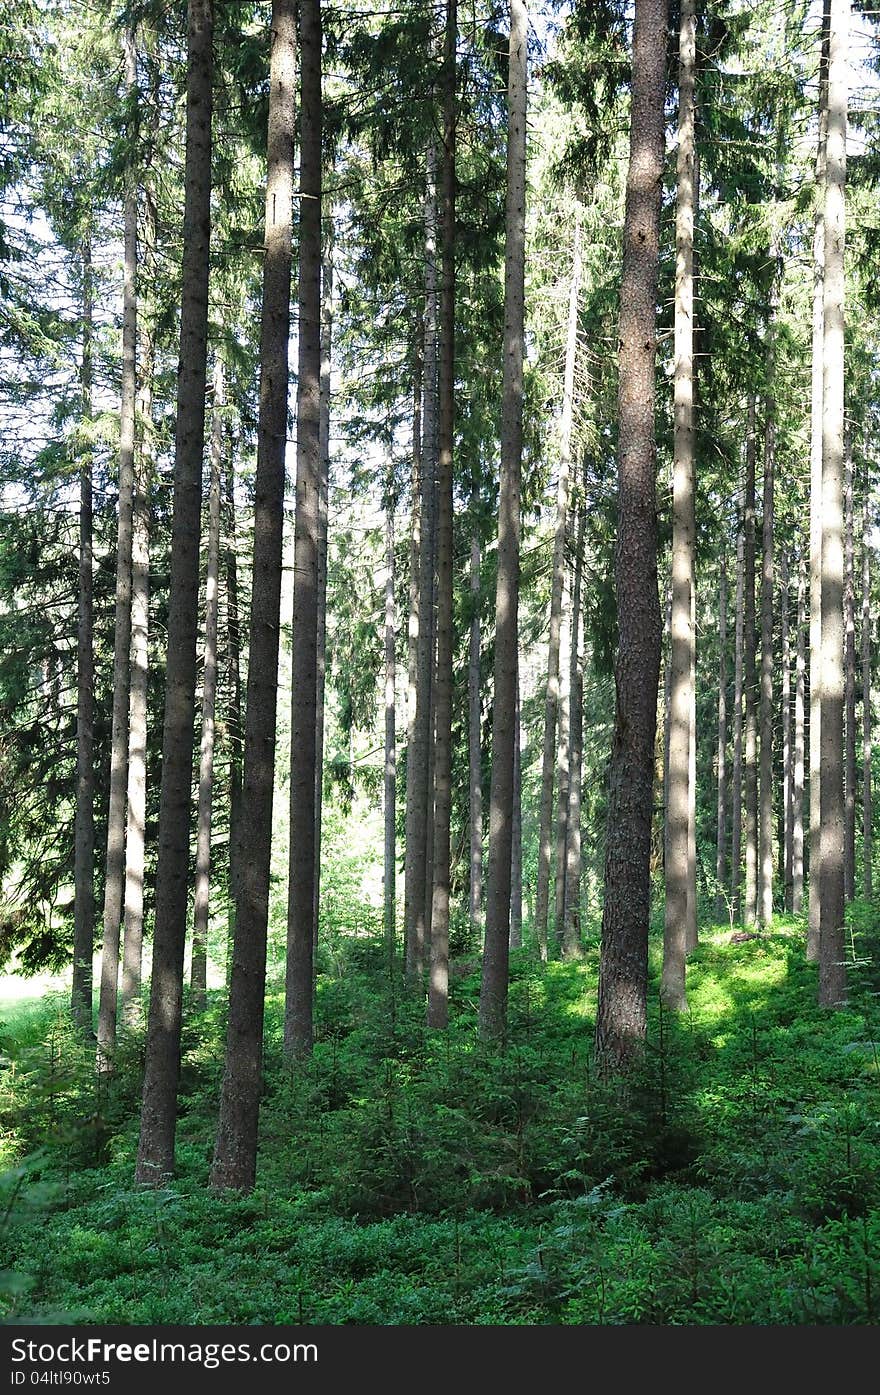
(414, 1177)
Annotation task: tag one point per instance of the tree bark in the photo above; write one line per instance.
(562, 767)
(797, 841)
(84, 818)
(438, 995)
(816, 495)
(737, 770)
(114, 881)
(680, 893)
(551, 707)
(390, 916)
(787, 752)
(832, 966)
(622, 1011)
(849, 825)
(765, 890)
(199, 967)
(867, 830)
(750, 910)
(721, 821)
(493, 989)
(323, 541)
(516, 845)
(475, 753)
(299, 982)
(235, 1150)
(571, 930)
(233, 715)
(162, 1065)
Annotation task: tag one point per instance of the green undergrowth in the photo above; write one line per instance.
(415, 1177)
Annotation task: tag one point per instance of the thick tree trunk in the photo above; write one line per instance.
(849, 605)
(413, 639)
(323, 542)
(680, 893)
(832, 966)
(736, 777)
(389, 886)
(797, 771)
(571, 929)
(438, 996)
(493, 990)
(516, 845)
(419, 780)
(162, 1065)
(750, 909)
(233, 714)
(867, 830)
(621, 1020)
(114, 883)
(475, 752)
(84, 819)
(721, 820)
(551, 708)
(816, 496)
(235, 1149)
(199, 968)
(299, 983)
(787, 841)
(765, 890)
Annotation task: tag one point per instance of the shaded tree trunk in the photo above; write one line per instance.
(155, 1160)
(849, 607)
(832, 966)
(787, 848)
(765, 890)
(516, 848)
(299, 983)
(199, 967)
(867, 830)
(736, 778)
(571, 929)
(390, 735)
(233, 715)
(562, 769)
(323, 541)
(750, 910)
(475, 753)
(493, 988)
(797, 795)
(622, 1010)
(235, 1149)
(721, 821)
(84, 819)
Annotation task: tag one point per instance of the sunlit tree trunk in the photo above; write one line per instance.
(323, 532)
(797, 769)
(867, 831)
(233, 698)
(563, 768)
(736, 778)
(849, 827)
(750, 909)
(390, 802)
(765, 889)
(516, 845)
(721, 821)
(475, 752)
(571, 932)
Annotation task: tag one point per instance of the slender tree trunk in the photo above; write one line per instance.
(849, 603)
(797, 790)
(786, 845)
(493, 990)
(114, 883)
(199, 968)
(419, 784)
(438, 997)
(816, 496)
(750, 910)
(562, 769)
(737, 771)
(721, 822)
(323, 541)
(413, 755)
(84, 820)
(162, 1066)
(551, 708)
(516, 848)
(765, 893)
(621, 1019)
(867, 831)
(832, 966)
(475, 753)
(235, 1150)
(301, 895)
(680, 894)
(233, 716)
(571, 931)
(390, 916)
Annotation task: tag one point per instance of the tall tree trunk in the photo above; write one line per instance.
(571, 930)
(765, 891)
(390, 916)
(114, 883)
(816, 396)
(323, 540)
(621, 1019)
(797, 791)
(551, 708)
(867, 830)
(562, 768)
(680, 893)
(721, 821)
(162, 1066)
(475, 752)
(832, 966)
(787, 841)
(516, 845)
(84, 819)
(413, 756)
(418, 781)
(199, 968)
(235, 1150)
(438, 996)
(849, 604)
(299, 983)
(750, 910)
(493, 989)
(736, 778)
(233, 715)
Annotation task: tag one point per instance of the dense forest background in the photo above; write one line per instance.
(438, 655)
